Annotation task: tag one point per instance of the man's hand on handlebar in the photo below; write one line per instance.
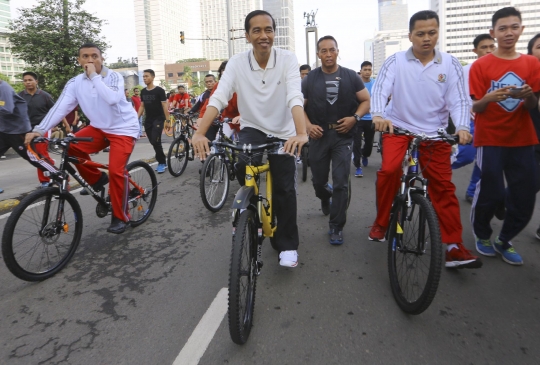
(383, 125)
(200, 146)
(295, 143)
(464, 136)
(29, 137)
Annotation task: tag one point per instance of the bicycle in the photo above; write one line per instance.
(180, 152)
(414, 239)
(43, 232)
(218, 169)
(253, 220)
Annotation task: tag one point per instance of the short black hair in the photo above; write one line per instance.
(30, 73)
(422, 15)
(222, 68)
(135, 88)
(505, 13)
(255, 13)
(305, 67)
(210, 75)
(126, 90)
(365, 63)
(326, 38)
(181, 87)
(531, 43)
(480, 38)
(90, 45)
(150, 71)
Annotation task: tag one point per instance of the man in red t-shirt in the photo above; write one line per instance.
(504, 86)
(182, 100)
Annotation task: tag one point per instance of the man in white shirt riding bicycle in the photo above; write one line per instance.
(270, 102)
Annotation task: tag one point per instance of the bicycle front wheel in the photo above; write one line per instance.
(214, 184)
(414, 254)
(177, 129)
(243, 278)
(168, 126)
(177, 157)
(42, 234)
(142, 192)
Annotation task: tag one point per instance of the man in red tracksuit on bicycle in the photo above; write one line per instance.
(100, 94)
(426, 87)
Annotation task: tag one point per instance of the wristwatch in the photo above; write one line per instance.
(357, 117)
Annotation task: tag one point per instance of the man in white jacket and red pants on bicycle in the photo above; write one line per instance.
(100, 94)
(426, 87)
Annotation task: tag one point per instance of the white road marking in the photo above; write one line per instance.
(199, 340)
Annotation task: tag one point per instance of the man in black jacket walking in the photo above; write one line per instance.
(334, 100)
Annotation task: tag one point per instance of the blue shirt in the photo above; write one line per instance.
(368, 86)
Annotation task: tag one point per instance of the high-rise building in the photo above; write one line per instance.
(393, 34)
(214, 25)
(283, 13)
(158, 25)
(368, 50)
(393, 15)
(9, 65)
(461, 21)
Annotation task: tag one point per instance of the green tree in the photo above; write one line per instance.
(198, 86)
(48, 36)
(121, 63)
(165, 84)
(191, 60)
(188, 77)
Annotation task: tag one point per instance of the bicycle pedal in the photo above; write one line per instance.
(259, 265)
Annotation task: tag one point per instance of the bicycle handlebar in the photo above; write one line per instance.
(248, 148)
(68, 139)
(441, 134)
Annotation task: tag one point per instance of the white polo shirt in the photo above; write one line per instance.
(101, 99)
(422, 96)
(265, 97)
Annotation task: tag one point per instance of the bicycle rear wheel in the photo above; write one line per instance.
(214, 185)
(304, 157)
(414, 254)
(35, 244)
(141, 204)
(177, 158)
(243, 278)
(167, 126)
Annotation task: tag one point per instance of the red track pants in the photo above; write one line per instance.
(121, 148)
(435, 165)
(43, 150)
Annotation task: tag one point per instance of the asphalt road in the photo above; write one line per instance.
(137, 298)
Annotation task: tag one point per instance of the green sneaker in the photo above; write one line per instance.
(508, 253)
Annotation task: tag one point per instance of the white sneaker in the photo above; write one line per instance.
(288, 258)
(3, 157)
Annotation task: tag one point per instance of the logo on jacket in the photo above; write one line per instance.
(441, 78)
(509, 79)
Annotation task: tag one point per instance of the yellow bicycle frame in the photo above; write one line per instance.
(266, 218)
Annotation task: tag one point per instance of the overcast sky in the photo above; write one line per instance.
(349, 21)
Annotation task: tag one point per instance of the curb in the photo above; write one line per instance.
(8, 204)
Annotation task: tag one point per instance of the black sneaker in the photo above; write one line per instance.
(336, 237)
(103, 180)
(325, 206)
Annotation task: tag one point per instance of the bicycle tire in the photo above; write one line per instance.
(242, 297)
(141, 206)
(177, 157)
(18, 230)
(214, 183)
(168, 126)
(416, 297)
(304, 158)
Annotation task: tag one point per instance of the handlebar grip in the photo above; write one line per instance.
(83, 139)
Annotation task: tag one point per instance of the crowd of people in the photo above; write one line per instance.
(492, 103)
